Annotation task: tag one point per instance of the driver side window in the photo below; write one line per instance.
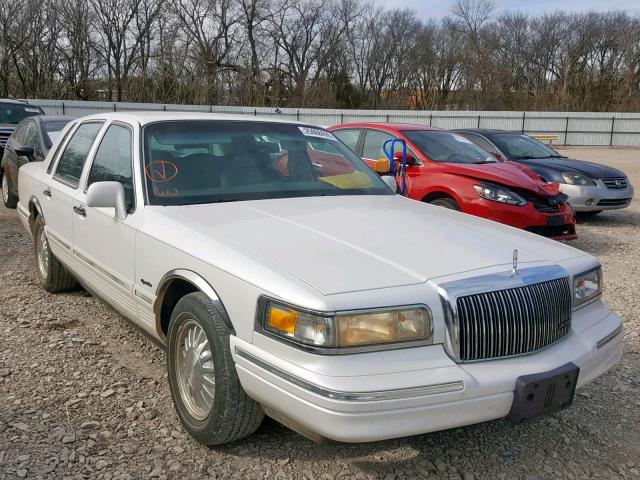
(113, 161)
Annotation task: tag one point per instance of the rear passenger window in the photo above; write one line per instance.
(113, 161)
(75, 154)
(373, 143)
(349, 138)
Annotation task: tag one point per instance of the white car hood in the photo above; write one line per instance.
(348, 243)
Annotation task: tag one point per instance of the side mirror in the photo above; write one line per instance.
(391, 182)
(397, 157)
(108, 195)
(382, 166)
(24, 151)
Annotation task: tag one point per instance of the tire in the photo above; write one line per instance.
(446, 202)
(8, 198)
(221, 412)
(52, 275)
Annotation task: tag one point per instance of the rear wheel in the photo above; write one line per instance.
(206, 391)
(8, 198)
(446, 202)
(51, 273)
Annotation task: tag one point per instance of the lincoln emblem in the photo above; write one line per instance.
(515, 262)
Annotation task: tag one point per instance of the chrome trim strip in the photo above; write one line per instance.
(142, 296)
(379, 395)
(100, 269)
(55, 238)
(22, 211)
(603, 341)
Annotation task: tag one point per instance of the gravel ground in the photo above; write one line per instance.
(83, 395)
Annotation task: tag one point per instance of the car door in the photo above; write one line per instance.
(105, 245)
(57, 198)
(372, 150)
(10, 159)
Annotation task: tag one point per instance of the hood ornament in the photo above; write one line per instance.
(515, 263)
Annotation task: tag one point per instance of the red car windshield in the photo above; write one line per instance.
(447, 147)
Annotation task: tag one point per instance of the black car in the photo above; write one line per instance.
(591, 187)
(30, 142)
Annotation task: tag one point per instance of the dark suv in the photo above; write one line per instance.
(11, 112)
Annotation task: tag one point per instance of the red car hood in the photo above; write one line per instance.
(510, 174)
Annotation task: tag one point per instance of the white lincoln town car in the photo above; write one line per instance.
(284, 277)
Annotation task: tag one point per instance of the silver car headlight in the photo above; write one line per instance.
(499, 194)
(587, 286)
(575, 178)
(349, 329)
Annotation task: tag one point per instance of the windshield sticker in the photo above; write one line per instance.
(31, 110)
(171, 192)
(161, 171)
(460, 138)
(316, 132)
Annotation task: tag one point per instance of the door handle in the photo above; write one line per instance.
(47, 193)
(80, 211)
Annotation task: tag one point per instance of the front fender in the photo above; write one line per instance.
(181, 276)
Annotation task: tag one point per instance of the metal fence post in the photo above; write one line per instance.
(430, 119)
(341, 117)
(114, 107)
(613, 126)
(63, 108)
(387, 118)
(566, 131)
(524, 118)
(479, 121)
(298, 115)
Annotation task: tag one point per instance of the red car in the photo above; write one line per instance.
(448, 170)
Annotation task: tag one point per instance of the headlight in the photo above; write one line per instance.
(575, 178)
(353, 329)
(587, 286)
(499, 194)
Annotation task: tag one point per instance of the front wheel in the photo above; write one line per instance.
(8, 198)
(205, 388)
(449, 203)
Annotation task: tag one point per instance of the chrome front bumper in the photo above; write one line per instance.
(397, 393)
(598, 197)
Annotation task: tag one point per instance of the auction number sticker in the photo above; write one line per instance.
(317, 132)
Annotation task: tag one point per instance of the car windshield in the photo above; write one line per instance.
(14, 112)
(52, 130)
(190, 162)
(521, 147)
(447, 147)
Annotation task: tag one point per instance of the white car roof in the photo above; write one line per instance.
(148, 117)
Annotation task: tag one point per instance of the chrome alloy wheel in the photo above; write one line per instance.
(195, 372)
(43, 254)
(5, 189)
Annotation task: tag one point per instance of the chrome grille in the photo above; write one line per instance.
(4, 136)
(615, 182)
(513, 321)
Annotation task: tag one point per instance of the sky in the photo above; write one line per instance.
(440, 8)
